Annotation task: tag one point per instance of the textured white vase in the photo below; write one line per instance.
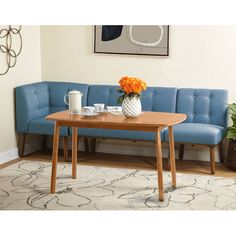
(131, 107)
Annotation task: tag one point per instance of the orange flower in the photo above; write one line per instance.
(127, 88)
(132, 85)
(123, 80)
(143, 85)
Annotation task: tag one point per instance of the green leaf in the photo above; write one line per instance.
(121, 99)
(231, 134)
(232, 108)
(120, 91)
(231, 131)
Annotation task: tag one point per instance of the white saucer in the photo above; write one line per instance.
(91, 114)
(113, 108)
(104, 111)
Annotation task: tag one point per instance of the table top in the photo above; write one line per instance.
(146, 121)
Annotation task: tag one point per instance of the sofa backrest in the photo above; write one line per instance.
(159, 99)
(106, 94)
(57, 91)
(153, 99)
(37, 100)
(32, 101)
(207, 106)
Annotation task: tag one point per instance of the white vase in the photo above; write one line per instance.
(131, 106)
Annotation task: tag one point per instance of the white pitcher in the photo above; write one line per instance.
(75, 100)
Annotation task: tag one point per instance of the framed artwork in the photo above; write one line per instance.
(151, 40)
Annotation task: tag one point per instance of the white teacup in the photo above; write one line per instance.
(89, 110)
(99, 107)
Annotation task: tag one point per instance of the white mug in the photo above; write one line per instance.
(99, 107)
(75, 99)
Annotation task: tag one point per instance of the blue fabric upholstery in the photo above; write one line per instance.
(197, 133)
(57, 91)
(159, 99)
(32, 101)
(153, 99)
(206, 110)
(35, 101)
(106, 94)
(42, 126)
(208, 106)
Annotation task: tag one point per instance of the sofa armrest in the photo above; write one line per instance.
(32, 102)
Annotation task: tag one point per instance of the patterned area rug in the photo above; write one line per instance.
(25, 186)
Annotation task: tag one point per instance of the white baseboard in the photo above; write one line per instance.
(191, 153)
(9, 155)
(196, 152)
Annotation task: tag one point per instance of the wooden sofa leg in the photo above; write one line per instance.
(65, 148)
(181, 151)
(86, 144)
(212, 159)
(221, 154)
(21, 144)
(93, 144)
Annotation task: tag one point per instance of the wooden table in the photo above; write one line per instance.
(148, 121)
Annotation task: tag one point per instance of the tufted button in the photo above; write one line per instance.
(194, 113)
(194, 96)
(209, 114)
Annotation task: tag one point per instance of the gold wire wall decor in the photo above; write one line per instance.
(7, 35)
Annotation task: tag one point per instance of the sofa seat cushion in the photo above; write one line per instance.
(42, 126)
(118, 134)
(197, 133)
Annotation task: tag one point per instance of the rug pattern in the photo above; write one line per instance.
(25, 186)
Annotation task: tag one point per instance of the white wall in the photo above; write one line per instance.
(27, 70)
(200, 56)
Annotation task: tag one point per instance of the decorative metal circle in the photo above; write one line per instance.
(6, 48)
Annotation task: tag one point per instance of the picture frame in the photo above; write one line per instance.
(148, 40)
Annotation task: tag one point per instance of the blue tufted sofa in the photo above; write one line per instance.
(206, 110)
(35, 101)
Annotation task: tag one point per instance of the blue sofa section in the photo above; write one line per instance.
(35, 101)
(206, 111)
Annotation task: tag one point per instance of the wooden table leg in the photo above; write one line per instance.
(65, 148)
(159, 164)
(172, 156)
(74, 151)
(55, 156)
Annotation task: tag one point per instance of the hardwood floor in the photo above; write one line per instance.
(128, 161)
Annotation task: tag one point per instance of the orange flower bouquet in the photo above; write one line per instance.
(130, 87)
